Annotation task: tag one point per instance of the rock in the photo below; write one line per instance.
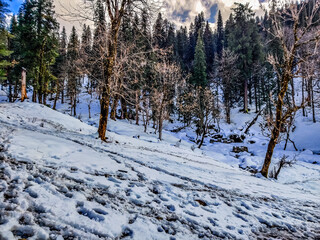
(251, 142)
(240, 149)
(237, 138)
(201, 202)
(217, 136)
(228, 141)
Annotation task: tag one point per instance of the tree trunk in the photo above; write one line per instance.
(160, 123)
(57, 95)
(10, 90)
(303, 107)
(278, 121)
(23, 85)
(108, 65)
(312, 105)
(204, 132)
(104, 111)
(75, 106)
(137, 107)
(271, 146)
(62, 92)
(309, 88)
(124, 110)
(256, 95)
(245, 97)
(113, 113)
(228, 111)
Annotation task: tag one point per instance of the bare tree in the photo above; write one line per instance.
(226, 72)
(206, 113)
(169, 76)
(116, 10)
(292, 36)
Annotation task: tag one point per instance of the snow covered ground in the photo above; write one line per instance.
(58, 181)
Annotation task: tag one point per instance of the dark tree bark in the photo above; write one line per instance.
(115, 13)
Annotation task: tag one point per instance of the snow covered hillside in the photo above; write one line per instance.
(58, 181)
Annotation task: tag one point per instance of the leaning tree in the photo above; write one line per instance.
(293, 36)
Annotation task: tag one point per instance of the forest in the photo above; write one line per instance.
(150, 119)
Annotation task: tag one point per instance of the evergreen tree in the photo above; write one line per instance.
(209, 47)
(145, 30)
(26, 38)
(73, 83)
(199, 75)
(220, 35)
(228, 30)
(239, 41)
(85, 50)
(3, 10)
(13, 70)
(4, 41)
(61, 67)
(191, 45)
(37, 36)
(99, 45)
(159, 32)
(46, 43)
(182, 45)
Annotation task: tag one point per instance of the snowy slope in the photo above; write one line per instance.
(57, 180)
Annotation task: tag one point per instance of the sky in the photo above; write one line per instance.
(180, 12)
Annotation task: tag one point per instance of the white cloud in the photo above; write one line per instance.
(173, 9)
(194, 7)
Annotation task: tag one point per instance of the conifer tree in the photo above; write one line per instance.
(220, 35)
(99, 45)
(239, 39)
(13, 70)
(46, 43)
(228, 29)
(209, 47)
(85, 51)
(199, 75)
(73, 83)
(4, 41)
(159, 32)
(61, 67)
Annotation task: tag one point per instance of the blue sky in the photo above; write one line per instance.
(14, 6)
(180, 12)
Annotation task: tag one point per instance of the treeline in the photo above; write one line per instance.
(154, 72)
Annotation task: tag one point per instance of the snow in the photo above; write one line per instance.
(58, 180)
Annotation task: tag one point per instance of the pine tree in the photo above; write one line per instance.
(239, 41)
(37, 35)
(61, 67)
(228, 30)
(220, 35)
(4, 41)
(26, 38)
(182, 45)
(145, 30)
(199, 75)
(209, 47)
(85, 51)
(46, 42)
(192, 40)
(3, 10)
(13, 70)
(73, 83)
(99, 45)
(159, 32)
